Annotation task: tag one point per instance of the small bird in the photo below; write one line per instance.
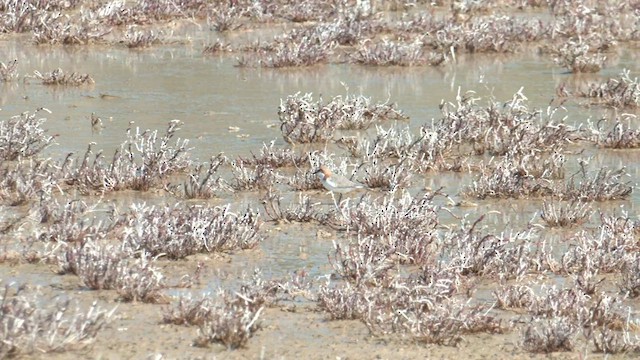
(334, 182)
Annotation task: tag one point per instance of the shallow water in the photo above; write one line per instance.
(209, 94)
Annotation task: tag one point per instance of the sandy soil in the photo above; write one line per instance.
(292, 330)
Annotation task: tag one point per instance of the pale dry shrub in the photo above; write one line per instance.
(303, 11)
(423, 309)
(30, 324)
(305, 180)
(630, 280)
(620, 136)
(143, 161)
(285, 53)
(225, 17)
(19, 16)
(474, 250)
(347, 301)
(608, 341)
(232, 317)
(505, 179)
(8, 71)
(218, 46)
(27, 180)
(107, 267)
(395, 228)
(55, 28)
(606, 249)
(391, 143)
(606, 184)
(305, 120)
(390, 53)
(364, 260)
(575, 55)
(232, 323)
(620, 92)
(389, 178)
(447, 323)
(274, 157)
(514, 297)
(189, 311)
(202, 182)
(556, 214)
(23, 136)
(141, 12)
(70, 222)
(549, 335)
(58, 77)
(482, 34)
(141, 38)
(182, 230)
(601, 24)
(258, 177)
(510, 127)
(303, 211)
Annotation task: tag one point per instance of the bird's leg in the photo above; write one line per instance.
(334, 201)
(339, 209)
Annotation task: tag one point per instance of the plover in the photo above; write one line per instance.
(335, 182)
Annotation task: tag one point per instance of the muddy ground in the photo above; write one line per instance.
(230, 109)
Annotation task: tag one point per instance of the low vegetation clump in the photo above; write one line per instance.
(305, 120)
(202, 181)
(27, 180)
(230, 318)
(246, 178)
(180, 231)
(547, 336)
(573, 213)
(217, 47)
(70, 222)
(32, 325)
(22, 136)
(106, 267)
(141, 162)
(275, 157)
(388, 53)
(606, 184)
(288, 54)
(58, 77)
(506, 179)
(576, 56)
(428, 306)
(140, 39)
(8, 72)
(620, 92)
(630, 282)
(620, 136)
(304, 211)
(231, 322)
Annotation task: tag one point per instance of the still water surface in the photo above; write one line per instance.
(210, 94)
